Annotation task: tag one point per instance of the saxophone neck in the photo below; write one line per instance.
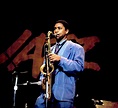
(48, 45)
(49, 33)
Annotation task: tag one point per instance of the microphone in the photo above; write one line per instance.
(16, 72)
(53, 35)
(37, 83)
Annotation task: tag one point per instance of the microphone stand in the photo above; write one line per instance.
(15, 89)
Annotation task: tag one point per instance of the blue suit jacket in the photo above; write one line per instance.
(72, 62)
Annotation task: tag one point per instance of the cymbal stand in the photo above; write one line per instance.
(15, 89)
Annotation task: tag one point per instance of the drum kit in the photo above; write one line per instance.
(97, 103)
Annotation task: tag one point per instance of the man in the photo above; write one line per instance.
(68, 62)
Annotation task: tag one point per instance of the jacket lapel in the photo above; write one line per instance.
(65, 50)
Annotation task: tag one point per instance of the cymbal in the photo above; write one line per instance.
(31, 83)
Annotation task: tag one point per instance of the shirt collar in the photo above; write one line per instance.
(61, 42)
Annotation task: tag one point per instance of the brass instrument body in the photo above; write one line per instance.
(47, 68)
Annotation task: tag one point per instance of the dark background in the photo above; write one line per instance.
(89, 20)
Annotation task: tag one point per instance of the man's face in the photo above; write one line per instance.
(60, 31)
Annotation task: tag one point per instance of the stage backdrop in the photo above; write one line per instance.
(22, 37)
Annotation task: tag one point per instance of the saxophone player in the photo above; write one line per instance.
(68, 61)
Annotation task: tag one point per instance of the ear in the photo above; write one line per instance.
(67, 31)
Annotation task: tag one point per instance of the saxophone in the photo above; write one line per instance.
(47, 68)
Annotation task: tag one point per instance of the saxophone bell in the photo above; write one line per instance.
(43, 69)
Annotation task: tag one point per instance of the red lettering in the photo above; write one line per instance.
(15, 46)
(37, 43)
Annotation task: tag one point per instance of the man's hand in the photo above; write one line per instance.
(54, 57)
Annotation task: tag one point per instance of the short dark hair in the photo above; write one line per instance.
(65, 23)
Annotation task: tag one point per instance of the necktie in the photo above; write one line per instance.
(57, 48)
(56, 51)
